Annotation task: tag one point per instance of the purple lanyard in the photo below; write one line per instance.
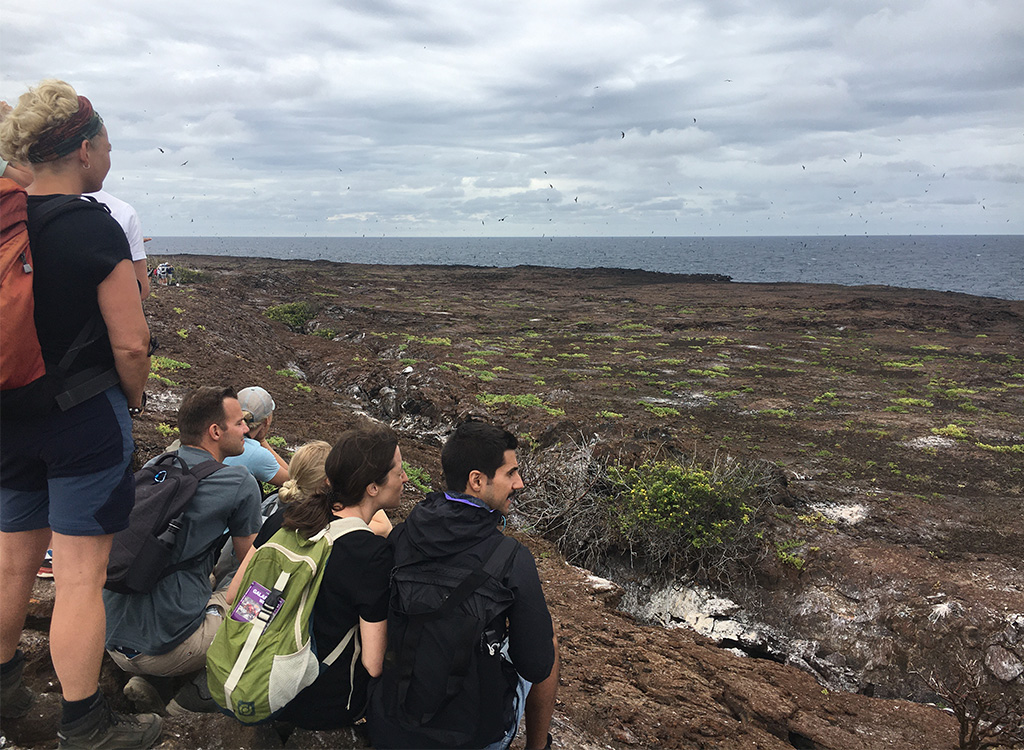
(464, 501)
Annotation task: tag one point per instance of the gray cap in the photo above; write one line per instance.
(257, 402)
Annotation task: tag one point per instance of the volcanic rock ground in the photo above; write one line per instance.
(895, 417)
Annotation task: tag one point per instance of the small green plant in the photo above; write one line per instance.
(522, 400)
(182, 333)
(276, 441)
(179, 310)
(166, 430)
(418, 478)
(828, 398)
(166, 363)
(608, 415)
(951, 431)
(295, 315)
(325, 333)
(163, 380)
(785, 555)
(289, 373)
(778, 413)
(660, 411)
(1019, 448)
(302, 387)
(901, 405)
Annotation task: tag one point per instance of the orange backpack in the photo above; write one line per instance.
(21, 359)
(28, 389)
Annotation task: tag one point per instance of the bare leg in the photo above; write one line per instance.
(78, 626)
(21, 554)
(540, 705)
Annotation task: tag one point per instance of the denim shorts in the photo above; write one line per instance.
(69, 471)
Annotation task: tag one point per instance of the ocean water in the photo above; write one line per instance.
(984, 265)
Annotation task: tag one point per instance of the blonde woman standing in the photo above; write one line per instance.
(67, 437)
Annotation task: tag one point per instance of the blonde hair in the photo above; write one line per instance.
(39, 110)
(306, 472)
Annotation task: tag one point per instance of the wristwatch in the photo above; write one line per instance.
(135, 411)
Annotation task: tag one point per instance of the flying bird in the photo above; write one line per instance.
(623, 133)
(184, 162)
(160, 149)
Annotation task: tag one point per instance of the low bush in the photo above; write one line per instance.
(670, 517)
(295, 315)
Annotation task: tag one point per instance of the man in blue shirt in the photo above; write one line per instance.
(258, 456)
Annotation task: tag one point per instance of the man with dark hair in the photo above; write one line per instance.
(166, 632)
(459, 529)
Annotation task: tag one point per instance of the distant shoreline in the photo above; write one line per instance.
(626, 276)
(985, 266)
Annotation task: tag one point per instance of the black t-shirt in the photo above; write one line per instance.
(355, 585)
(71, 257)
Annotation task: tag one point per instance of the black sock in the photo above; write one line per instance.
(75, 710)
(15, 660)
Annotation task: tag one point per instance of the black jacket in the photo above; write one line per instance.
(455, 530)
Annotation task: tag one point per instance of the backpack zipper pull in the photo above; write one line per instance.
(25, 265)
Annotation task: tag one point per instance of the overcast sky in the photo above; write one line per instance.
(583, 117)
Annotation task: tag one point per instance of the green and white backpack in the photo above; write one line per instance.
(262, 655)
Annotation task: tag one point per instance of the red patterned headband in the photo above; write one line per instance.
(83, 125)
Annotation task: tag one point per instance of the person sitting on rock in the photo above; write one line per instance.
(359, 477)
(460, 529)
(258, 456)
(167, 631)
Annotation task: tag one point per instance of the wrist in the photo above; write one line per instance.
(135, 411)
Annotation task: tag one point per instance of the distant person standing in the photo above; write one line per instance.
(129, 220)
(20, 175)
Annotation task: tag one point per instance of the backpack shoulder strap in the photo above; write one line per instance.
(341, 526)
(200, 472)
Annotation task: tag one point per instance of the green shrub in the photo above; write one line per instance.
(184, 275)
(689, 516)
(295, 315)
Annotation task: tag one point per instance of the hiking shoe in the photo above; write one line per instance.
(46, 569)
(15, 698)
(144, 696)
(102, 729)
(193, 698)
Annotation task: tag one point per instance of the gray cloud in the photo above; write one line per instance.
(439, 119)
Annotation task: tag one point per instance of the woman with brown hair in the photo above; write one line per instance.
(361, 476)
(67, 436)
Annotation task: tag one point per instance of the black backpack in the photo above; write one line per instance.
(141, 554)
(445, 632)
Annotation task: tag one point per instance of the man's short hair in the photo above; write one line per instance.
(201, 408)
(474, 446)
